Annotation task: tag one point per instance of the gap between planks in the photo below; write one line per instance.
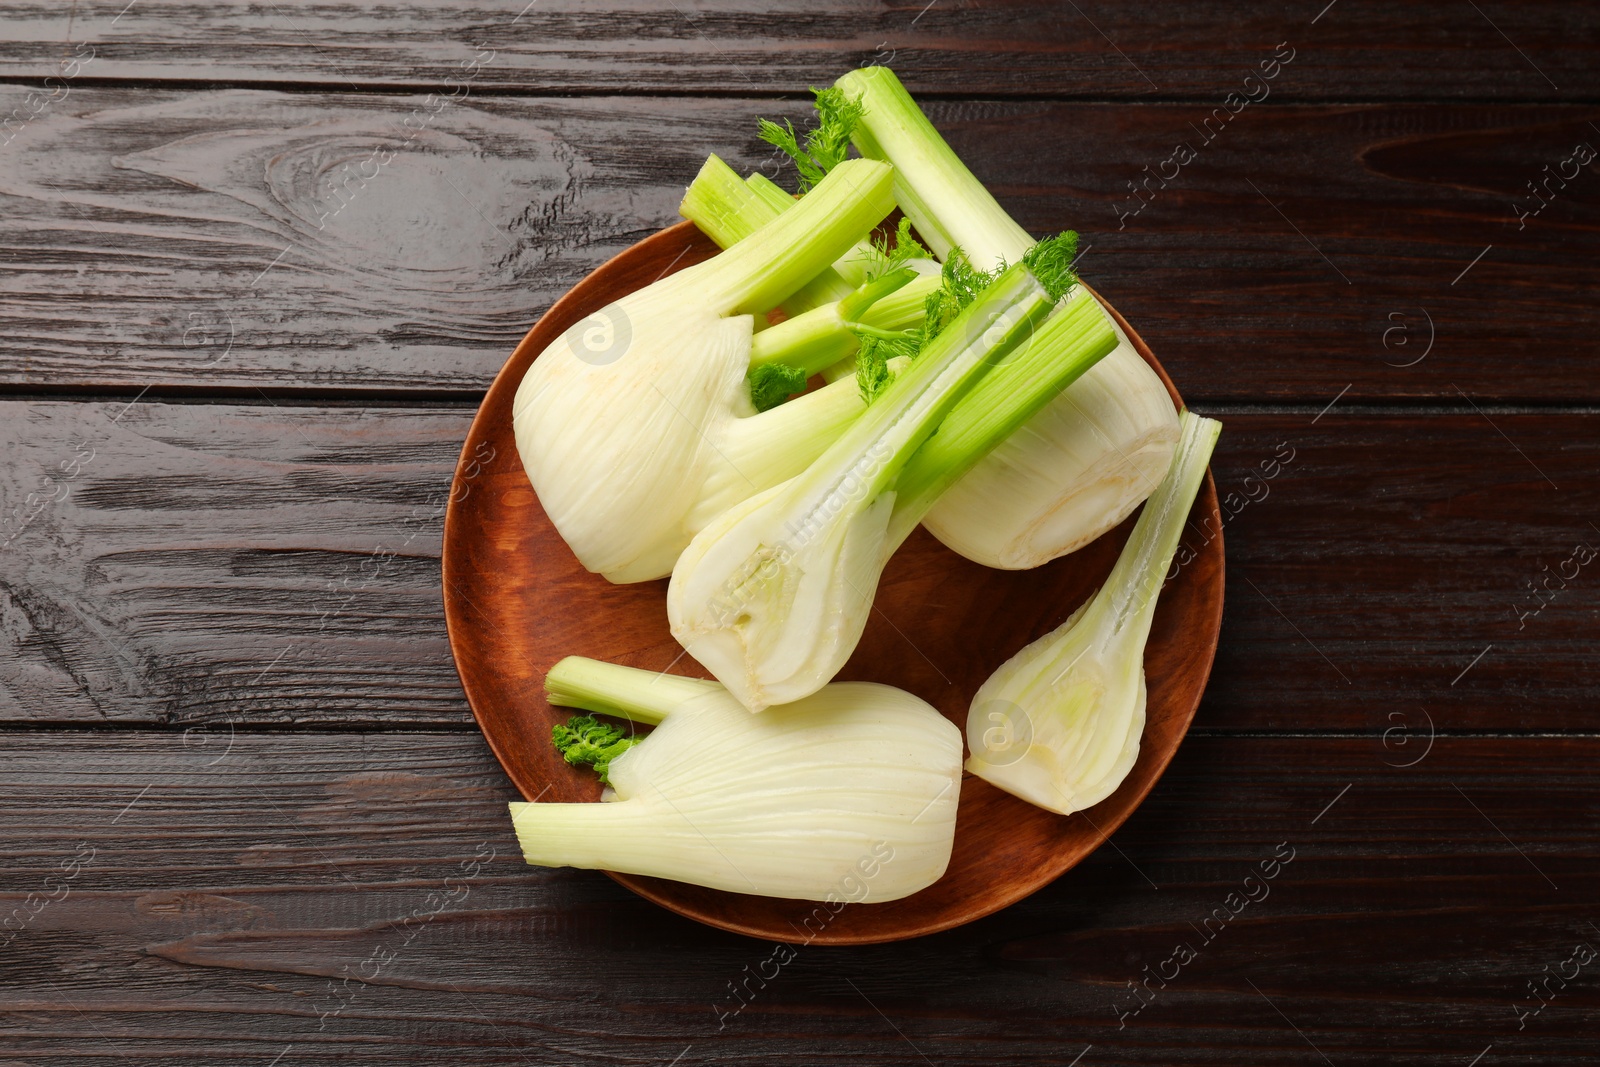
(797, 95)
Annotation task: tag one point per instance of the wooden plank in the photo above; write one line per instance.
(1370, 575)
(234, 240)
(220, 898)
(277, 564)
(212, 563)
(1432, 50)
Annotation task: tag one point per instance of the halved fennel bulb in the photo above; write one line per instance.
(1059, 723)
(773, 595)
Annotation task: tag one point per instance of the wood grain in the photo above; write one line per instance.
(193, 563)
(220, 566)
(224, 241)
(221, 913)
(205, 541)
(1429, 50)
(1439, 528)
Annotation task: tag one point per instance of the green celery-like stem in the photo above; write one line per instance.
(811, 341)
(610, 689)
(726, 210)
(770, 192)
(856, 304)
(756, 274)
(905, 307)
(1135, 582)
(641, 837)
(721, 205)
(852, 266)
(784, 439)
(824, 335)
(814, 337)
(1066, 345)
(912, 407)
(944, 200)
(728, 214)
(821, 336)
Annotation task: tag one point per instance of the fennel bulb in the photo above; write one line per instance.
(636, 426)
(1071, 473)
(1083, 463)
(772, 596)
(1059, 723)
(793, 803)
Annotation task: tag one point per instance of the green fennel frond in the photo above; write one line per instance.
(1050, 261)
(773, 383)
(585, 741)
(878, 346)
(837, 118)
(886, 260)
(872, 367)
(826, 144)
(961, 283)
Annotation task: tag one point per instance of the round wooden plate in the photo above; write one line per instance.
(516, 601)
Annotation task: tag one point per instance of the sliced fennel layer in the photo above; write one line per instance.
(1059, 723)
(1084, 462)
(623, 421)
(798, 803)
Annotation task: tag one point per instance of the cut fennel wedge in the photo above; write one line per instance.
(848, 794)
(1059, 723)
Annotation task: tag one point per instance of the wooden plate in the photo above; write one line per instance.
(516, 601)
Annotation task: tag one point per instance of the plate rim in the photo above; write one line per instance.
(647, 887)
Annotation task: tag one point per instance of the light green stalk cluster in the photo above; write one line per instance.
(773, 595)
(1085, 460)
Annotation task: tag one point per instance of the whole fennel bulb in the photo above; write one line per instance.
(636, 426)
(1083, 463)
(786, 804)
(1059, 723)
(1077, 469)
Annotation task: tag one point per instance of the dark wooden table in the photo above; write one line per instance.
(259, 262)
